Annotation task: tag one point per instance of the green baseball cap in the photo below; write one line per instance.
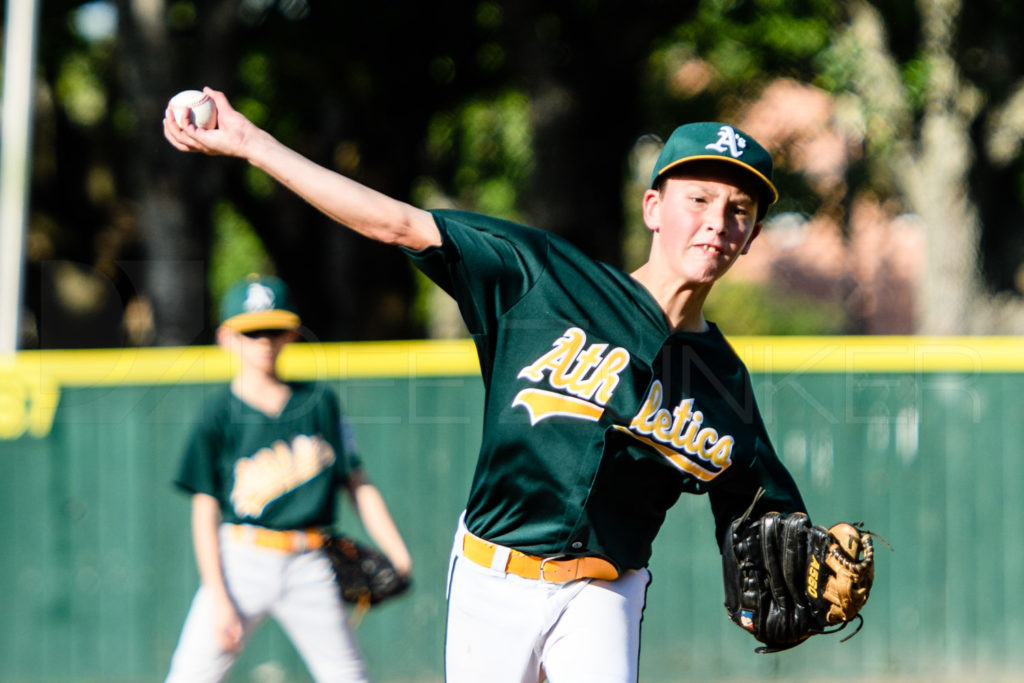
(710, 140)
(260, 302)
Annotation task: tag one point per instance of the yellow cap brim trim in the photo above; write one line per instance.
(715, 157)
(263, 320)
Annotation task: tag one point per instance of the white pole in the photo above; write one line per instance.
(15, 158)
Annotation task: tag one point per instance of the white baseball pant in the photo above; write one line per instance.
(506, 629)
(296, 589)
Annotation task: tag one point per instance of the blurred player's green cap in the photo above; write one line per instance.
(717, 142)
(260, 302)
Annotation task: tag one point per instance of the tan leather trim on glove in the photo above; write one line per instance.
(851, 559)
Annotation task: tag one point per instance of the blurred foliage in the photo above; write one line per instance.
(746, 44)
(80, 91)
(528, 110)
(746, 308)
(235, 253)
(489, 143)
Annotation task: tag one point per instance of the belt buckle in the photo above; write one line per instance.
(305, 540)
(556, 558)
(299, 542)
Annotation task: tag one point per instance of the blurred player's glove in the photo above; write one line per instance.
(787, 580)
(365, 576)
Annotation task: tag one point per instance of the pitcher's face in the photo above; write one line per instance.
(702, 222)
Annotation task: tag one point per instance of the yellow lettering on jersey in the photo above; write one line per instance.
(272, 472)
(587, 373)
(584, 362)
(559, 358)
(714, 448)
(541, 404)
(601, 385)
(680, 430)
(680, 461)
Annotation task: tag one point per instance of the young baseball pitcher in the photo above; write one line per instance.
(607, 396)
(263, 467)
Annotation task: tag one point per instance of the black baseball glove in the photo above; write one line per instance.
(787, 580)
(365, 576)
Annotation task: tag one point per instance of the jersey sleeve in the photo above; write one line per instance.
(197, 472)
(484, 263)
(732, 494)
(731, 499)
(349, 453)
(337, 432)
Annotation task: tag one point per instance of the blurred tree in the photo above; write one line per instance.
(523, 109)
(374, 90)
(353, 86)
(939, 103)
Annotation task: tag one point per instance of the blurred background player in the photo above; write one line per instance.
(263, 465)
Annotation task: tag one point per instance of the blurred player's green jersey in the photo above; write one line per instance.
(277, 471)
(597, 415)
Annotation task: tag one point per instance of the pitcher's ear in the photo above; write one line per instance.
(753, 234)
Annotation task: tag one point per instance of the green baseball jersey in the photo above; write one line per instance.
(279, 472)
(597, 415)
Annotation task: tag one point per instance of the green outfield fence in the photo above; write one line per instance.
(919, 437)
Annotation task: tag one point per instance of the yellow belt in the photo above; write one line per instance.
(531, 567)
(295, 541)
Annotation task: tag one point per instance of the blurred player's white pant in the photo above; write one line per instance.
(298, 590)
(506, 629)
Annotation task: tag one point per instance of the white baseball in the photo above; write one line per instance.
(196, 105)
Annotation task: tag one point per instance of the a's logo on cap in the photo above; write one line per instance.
(258, 298)
(728, 141)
